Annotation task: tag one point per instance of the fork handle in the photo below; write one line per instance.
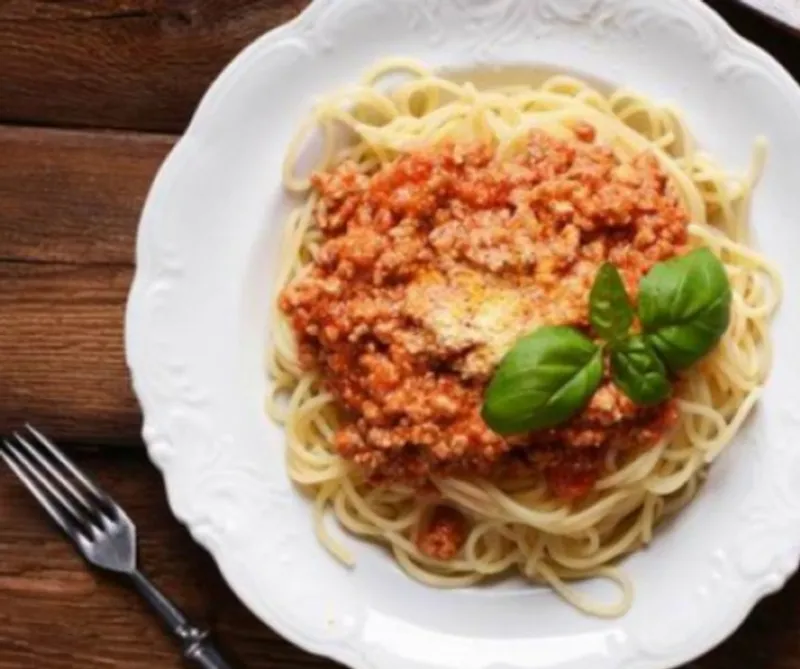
(197, 646)
(200, 650)
(205, 655)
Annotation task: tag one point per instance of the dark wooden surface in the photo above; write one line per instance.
(92, 94)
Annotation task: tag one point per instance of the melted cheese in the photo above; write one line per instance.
(469, 313)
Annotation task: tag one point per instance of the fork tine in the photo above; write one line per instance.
(54, 473)
(56, 495)
(56, 452)
(57, 514)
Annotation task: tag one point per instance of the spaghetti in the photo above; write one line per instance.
(514, 524)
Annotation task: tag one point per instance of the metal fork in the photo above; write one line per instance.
(99, 528)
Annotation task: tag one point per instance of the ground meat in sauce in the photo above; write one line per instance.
(443, 535)
(432, 267)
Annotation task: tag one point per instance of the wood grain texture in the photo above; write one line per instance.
(71, 196)
(61, 348)
(57, 614)
(140, 64)
(69, 205)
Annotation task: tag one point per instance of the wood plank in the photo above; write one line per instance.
(69, 207)
(61, 347)
(142, 64)
(56, 613)
(73, 196)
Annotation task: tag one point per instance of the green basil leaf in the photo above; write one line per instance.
(546, 378)
(638, 372)
(684, 307)
(610, 311)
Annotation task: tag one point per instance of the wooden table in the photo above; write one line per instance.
(92, 96)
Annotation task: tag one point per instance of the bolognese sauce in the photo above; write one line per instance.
(434, 264)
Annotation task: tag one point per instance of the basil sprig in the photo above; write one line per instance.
(685, 307)
(545, 378)
(552, 373)
(638, 372)
(610, 311)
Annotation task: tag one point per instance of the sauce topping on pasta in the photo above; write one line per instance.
(436, 263)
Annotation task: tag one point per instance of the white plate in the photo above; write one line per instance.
(197, 321)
